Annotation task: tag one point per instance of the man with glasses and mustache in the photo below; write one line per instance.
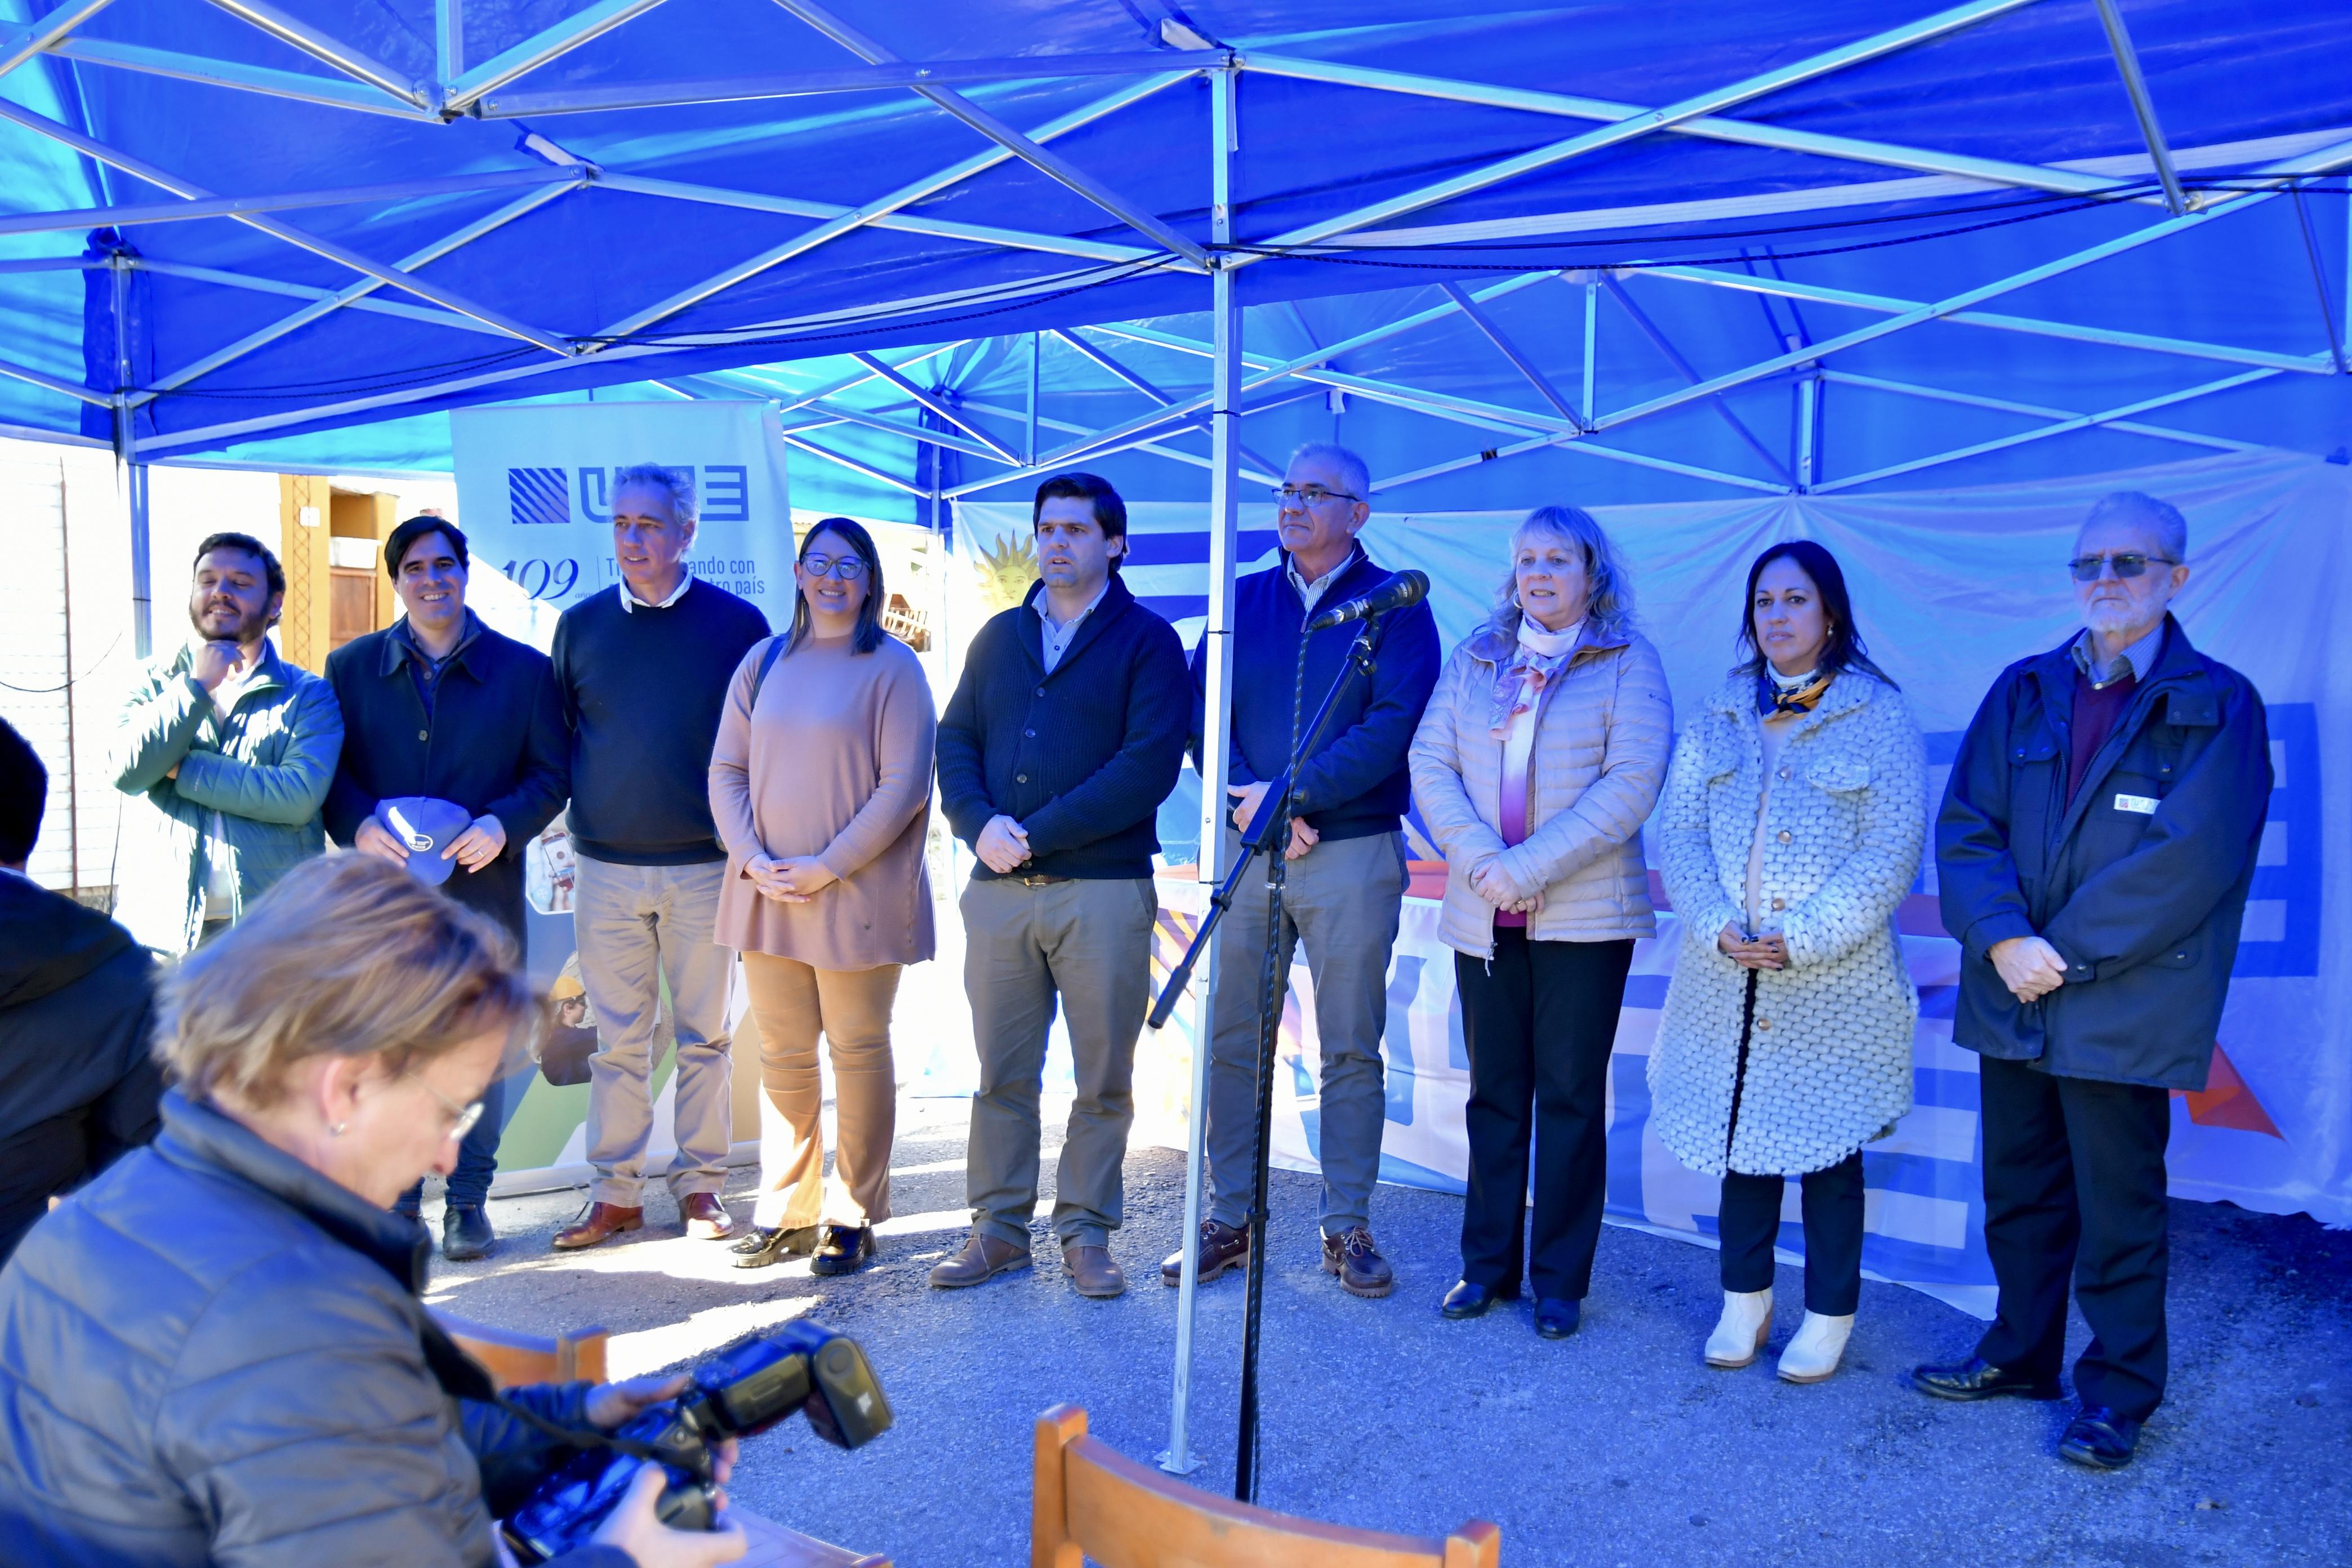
(227, 751)
(2094, 848)
(1345, 877)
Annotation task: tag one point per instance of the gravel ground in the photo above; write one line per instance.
(1617, 1446)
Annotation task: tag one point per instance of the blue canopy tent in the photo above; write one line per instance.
(1610, 252)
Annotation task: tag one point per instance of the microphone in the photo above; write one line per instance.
(1403, 588)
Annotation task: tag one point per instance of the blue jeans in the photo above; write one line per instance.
(478, 1156)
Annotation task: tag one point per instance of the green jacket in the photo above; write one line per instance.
(266, 770)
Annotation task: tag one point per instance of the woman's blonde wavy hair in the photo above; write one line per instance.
(349, 956)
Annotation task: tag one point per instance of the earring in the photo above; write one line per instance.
(336, 1129)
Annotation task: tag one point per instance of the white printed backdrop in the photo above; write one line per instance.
(1949, 587)
(535, 492)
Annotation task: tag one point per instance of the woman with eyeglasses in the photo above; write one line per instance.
(820, 784)
(1791, 829)
(1541, 755)
(215, 1351)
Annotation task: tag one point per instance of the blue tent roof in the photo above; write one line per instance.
(741, 194)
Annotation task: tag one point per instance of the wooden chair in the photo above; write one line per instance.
(512, 1357)
(1095, 1503)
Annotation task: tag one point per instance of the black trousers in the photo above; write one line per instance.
(1540, 1021)
(2074, 1184)
(1749, 1222)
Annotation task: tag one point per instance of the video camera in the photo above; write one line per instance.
(746, 1389)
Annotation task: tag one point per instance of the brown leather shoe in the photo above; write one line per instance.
(706, 1217)
(601, 1223)
(1223, 1247)
(1354, 1257)
(983, 1257)
(1093, 1272)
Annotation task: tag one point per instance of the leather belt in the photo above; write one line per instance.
(1036, 878)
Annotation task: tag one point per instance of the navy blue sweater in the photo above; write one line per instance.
(1356, 786)
(1080, 758)
(642, 689)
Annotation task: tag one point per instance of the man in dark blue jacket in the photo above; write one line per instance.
(2095, 850)
(1061, 741)
(1346, 878)
(437, 705)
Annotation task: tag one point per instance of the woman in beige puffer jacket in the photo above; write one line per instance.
(1540, 753)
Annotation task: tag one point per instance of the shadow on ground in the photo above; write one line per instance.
(1617, 1446)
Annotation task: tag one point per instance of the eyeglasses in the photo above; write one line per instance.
(465, 1116)
(1309, 495)
(849, 568)
(2128, 564)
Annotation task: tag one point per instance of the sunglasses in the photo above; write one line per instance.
(2132, 564)
(849, 568)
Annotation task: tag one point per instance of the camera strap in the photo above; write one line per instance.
(463, 1377)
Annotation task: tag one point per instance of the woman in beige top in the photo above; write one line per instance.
(821, 782)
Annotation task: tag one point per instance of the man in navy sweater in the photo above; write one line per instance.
(1061, 741)
(643, 671)
(438, 705)
(1345, 877)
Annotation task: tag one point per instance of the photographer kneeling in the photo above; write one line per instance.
(217, 1352)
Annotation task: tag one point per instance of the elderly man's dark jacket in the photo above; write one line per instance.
(495, 743)
(214, 1353)
(77, 1006)
(2143, 906)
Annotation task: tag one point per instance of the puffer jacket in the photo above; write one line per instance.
(266, 770)
(1602, 734)
(214, 1354)
(1827, 1063)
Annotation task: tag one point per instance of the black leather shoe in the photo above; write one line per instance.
(1556, 1319)
(766, 1245)
(2100, 1440)
(1469, 1300)
(843, 1249)
(465, 1232)
(1977, 1378)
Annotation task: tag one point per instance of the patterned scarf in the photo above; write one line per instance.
(1535, 663)
(1779, 693)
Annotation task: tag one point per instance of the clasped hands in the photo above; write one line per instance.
(1500, 888)
(1251, 798)
(2028, 966)
(789, 878)
(1751, 953)
(475, 848)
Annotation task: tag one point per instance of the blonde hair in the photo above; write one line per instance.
(1609, 607)
(347, 955)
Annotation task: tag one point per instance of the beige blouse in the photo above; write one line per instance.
(836, 763)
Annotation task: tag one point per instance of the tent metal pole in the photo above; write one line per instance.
(1037, 352)
(938, 406)
(1860, 51)
(2319, 280)
(1664, 345)
(895, 76)
(1758, 283)
(425, 314)
(868, 469)
(1112, 365)
(1210, 861)
(2080, 422)
(2143, 106)
(1510, 351)
(37, 38)
(329, 92)
(2006, 406)
(449, 43)
(142, 617)
(334, 52)
(228, 206)
(1583, 446)
(538, 50)
(1809, 402)
(1592, 350)
(1846, 149)
(47, 383)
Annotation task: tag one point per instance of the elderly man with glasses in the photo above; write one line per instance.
(1347, 876)
(2096, 846)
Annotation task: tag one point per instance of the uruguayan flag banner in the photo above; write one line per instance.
(1948, 587)
(535, 492)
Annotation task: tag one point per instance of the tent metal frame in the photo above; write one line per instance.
(500, 88)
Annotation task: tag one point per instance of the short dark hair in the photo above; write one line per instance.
(868, 633)
(398, 543)
(1843, 648)
(246, 544)
(1110, 512)
(24, 793)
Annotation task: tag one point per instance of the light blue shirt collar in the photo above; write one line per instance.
(2135, 660)
(1054, 644)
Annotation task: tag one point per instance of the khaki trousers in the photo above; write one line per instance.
(795, 1003)
(1087, 946)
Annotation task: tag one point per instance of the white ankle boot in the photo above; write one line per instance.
(1740, 1334)
(1817, 1348)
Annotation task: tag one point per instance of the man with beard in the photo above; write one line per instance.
(226, 751)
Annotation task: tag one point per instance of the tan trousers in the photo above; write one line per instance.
(851, 1007)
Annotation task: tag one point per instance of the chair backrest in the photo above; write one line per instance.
(1095, 1503)
(512, 1357)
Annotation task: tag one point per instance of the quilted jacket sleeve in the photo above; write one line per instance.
(1858, 898)
(1633, 767)
(1435, 761)
(1685, 850)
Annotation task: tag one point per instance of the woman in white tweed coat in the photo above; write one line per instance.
(1794, 815)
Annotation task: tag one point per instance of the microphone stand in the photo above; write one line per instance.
(1269, 831)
